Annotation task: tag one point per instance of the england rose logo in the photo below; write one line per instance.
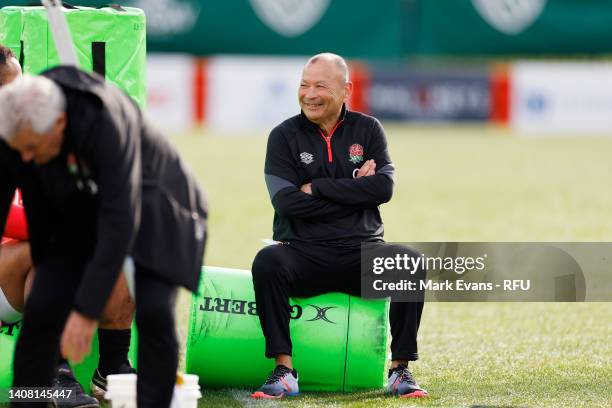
(356, 153)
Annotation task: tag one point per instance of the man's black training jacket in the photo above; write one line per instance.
(343, 210)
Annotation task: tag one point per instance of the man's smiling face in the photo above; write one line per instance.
(322, 92)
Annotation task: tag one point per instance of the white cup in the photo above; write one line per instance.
(121, 390)
(187, 394)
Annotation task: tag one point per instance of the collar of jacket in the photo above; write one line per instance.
(313, 126)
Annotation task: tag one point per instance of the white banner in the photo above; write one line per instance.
(559, 97)
(251, 94)
(170, 98)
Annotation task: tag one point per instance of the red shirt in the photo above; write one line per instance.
(16, 223)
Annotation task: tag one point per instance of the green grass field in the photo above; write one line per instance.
(454, 184)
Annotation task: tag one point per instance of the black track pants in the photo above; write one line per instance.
(157, 340)
(44, 317)
(304, 270)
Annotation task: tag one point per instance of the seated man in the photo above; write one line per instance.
(327, 170)
(17, 274)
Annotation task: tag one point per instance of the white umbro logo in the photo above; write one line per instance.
(306, 158)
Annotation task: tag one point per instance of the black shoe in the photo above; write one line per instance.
(64, 379)
(98, 381)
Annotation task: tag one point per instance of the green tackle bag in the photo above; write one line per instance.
(339, 341)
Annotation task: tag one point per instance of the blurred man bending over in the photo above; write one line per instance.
(90, 169)
(17, 273)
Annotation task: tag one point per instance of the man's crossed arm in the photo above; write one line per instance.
(368, 189)
(290, 201)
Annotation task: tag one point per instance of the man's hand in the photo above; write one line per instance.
(77, 336)
(368, 169)
(307, 188)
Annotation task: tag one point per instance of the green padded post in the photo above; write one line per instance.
(10, 28)
(118, 36)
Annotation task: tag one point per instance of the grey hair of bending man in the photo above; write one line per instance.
(30, 100)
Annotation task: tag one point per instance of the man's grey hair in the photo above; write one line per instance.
(33, 100)
(336, 59)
